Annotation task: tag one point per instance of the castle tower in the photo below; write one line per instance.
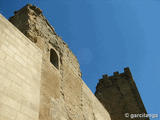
(40, 76)
(119, 95)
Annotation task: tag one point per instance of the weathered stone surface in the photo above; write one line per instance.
(62, 94)
(119, 95)
(20, 74)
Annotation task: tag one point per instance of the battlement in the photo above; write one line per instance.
(126, 72)
(108, 81)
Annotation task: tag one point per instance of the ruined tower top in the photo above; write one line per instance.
(32, 23)
(25, 18)
(27, 8)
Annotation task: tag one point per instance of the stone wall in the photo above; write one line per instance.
(119, 95)
(20, 74)
(63, 94)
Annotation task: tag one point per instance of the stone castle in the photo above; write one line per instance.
(41, 79)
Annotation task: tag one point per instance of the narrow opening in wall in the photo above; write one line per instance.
(54, 58)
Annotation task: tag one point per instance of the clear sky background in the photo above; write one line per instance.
(106, 36)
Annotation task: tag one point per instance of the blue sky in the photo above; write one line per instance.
(106, 36)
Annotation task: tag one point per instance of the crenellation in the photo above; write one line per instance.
(127, 72)
(116, 74)
(105, 76)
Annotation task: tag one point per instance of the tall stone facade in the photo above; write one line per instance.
(40, 76)
(119, 95)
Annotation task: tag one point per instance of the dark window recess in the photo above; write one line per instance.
(54, 58)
